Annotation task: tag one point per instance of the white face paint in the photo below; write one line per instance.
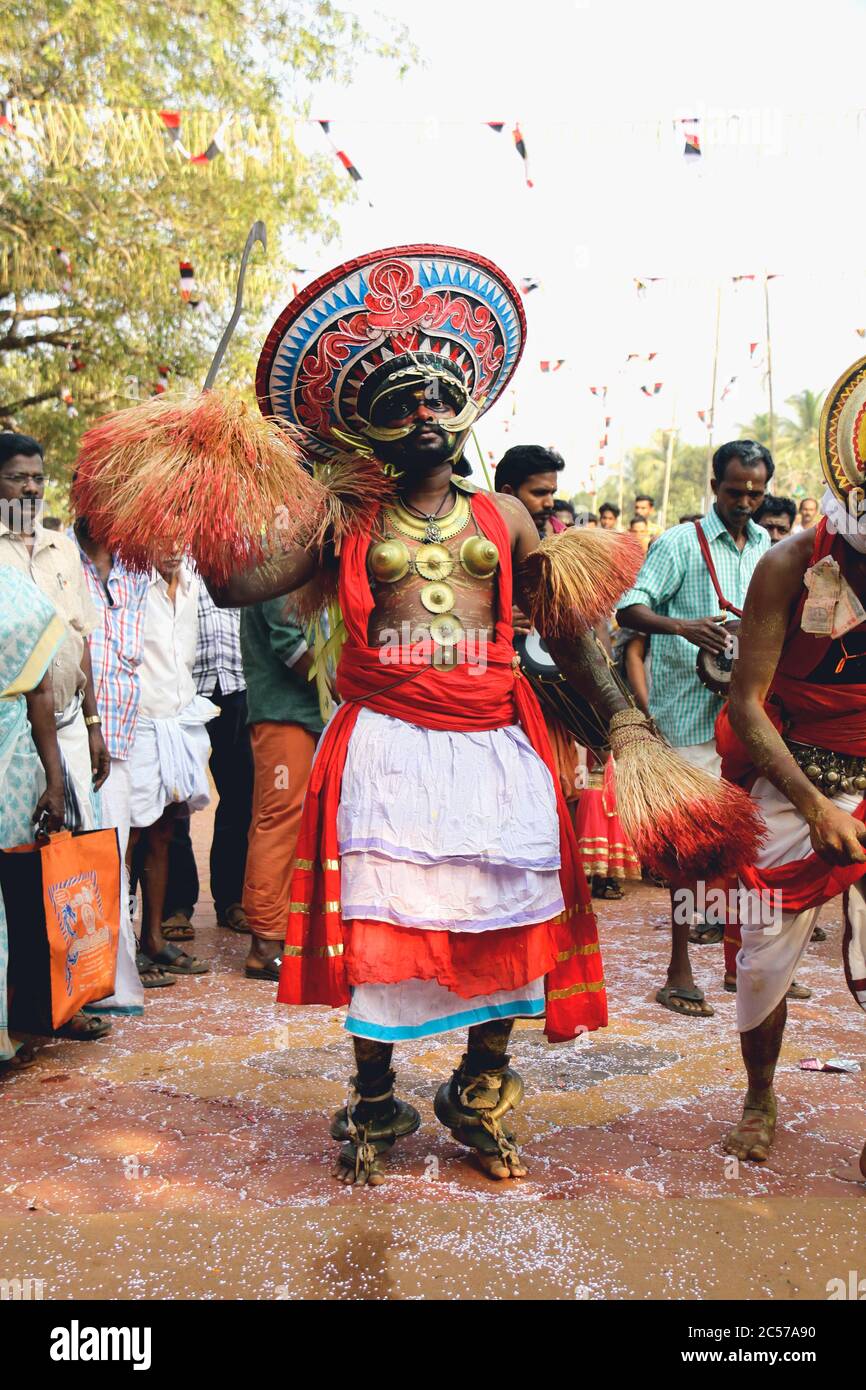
(844, 521)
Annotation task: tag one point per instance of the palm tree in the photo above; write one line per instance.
(796, 453)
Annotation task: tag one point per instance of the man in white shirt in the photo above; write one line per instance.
(51, 561)
(168, 761)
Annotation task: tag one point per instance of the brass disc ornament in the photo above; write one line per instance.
(479, 557)
(446, 630)
(433, 561)
(437, 597)
(389, 561)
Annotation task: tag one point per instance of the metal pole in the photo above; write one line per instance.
(708, 491)
(769, 365)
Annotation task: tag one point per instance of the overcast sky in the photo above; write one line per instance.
(597, 86)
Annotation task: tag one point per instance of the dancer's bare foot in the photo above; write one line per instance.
(371, 1175)
(752, 1138)
(496, 1167)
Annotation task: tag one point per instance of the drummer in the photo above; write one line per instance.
(529, 471)
(674, 600)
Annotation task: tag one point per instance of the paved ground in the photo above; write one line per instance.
(188, 1155)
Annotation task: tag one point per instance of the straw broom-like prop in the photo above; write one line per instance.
(207, 476)
(683, 823)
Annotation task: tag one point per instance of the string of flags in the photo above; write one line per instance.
(652, 390)
(519, 145)
(528, 283)
(348, 164)
(172, 119)
(161, 386)
(550, 364)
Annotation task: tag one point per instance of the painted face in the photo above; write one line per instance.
(420, 408)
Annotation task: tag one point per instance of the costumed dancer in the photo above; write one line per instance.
(605, 851)
(795, 733)
(437, 882)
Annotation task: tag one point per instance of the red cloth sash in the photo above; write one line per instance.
(827, 716)
(464, 699)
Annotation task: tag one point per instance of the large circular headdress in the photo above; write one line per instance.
(385, 319)
(842, 432)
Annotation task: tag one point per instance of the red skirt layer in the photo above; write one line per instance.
(604, 847)
(469, 963)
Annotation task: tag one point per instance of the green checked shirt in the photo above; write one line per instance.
(675, 583)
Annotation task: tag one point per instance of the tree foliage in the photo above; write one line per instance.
(117, 311)
(798, 467)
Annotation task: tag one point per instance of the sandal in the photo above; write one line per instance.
(234, 919)
(706, 936)
(818, 934)
(612, 890)
(152, 976)
(82, 1028)
(178, 927)
(269, 971)
(795, 992)
(177, 962)
(670, 997)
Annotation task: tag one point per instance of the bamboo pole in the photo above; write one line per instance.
(708, 491)
(669, 461)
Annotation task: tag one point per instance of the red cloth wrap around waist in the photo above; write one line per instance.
(825, 716)
(465, 699)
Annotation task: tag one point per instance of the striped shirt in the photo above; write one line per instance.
(116, 647)
(675, 583)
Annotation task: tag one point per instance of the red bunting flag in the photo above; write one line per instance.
(161, 386)
(498, 126)
(607, 420)
(348, 166)
(599, 391)
(528, 284)
(738, 279)
(692, 136)
(520, 146)
(171, 120)
(187, 283)
(652, 390)
(602, 443)
(548, 365)
(702, 416)
(729, 387)
(68, 400)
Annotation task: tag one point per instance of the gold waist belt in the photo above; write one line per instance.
(834, 773)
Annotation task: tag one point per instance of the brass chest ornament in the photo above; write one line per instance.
(446, 630)
(479, 557)
(433, 562)
(389, 561)
(437, 597)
